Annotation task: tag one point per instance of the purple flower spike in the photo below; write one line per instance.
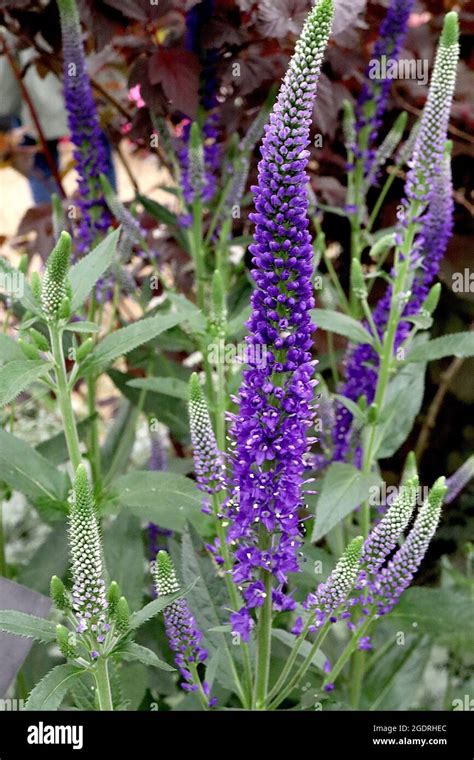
(276, 396)
(183, 635)
(208, 463)
(332, 593)
(428, 185)
(374, 94)
(86, 134)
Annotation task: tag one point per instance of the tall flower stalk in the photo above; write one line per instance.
(86, 135)
(276, 400)
(425, 225)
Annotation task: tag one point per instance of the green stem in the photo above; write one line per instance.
(245, 696)
(221, 398)
(264, 645)
(198, 251)
(378, 204)
(303, 668)
(64, 397)
(93, 442)
(349, 649)
(197, 681)
(290, 661)
(104, 693)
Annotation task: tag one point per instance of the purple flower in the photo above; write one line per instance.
(330, 595)
(183, 635)
(362, 362)
(393, 579)
(276, 400)
(242, 623)
(373, 97)
(86, 134)
(208, 463)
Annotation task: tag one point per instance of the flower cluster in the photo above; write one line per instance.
(208, 462)
(393, 579)
(54, 287)
(276, 401)
(183, 634)
(373, 97)
(89, 600)
(383, 538)
(89, 151)
(325, 602)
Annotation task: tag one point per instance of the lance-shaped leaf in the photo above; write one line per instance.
(84, 275)
(157, 605)
(18, 375)
(51, 690)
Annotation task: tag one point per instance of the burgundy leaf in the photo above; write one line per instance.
(178, 73)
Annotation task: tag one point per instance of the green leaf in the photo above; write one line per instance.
(343, 488)
(50, 692)
(29, 626)
(165, 498)
(393, 681)
(118, 445)
(444, 614)
(341, 324)
(23, 291)
(51, 558)
(207, 601)
(24, 470)
(16, 376)
(168, 386)
(122, 341)
(124, 557)
(402, 405)
(458, 344)
(354, 408)
(84, 275)
(54, 449)
(135, 652)
(157, 605)
(288, 639)
(170, 411)
(158, 211)
(9, 350)
(82, 327)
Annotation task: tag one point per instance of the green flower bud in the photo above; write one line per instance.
(35, 285)
(65, 308)
(59, 595)
(450, 33)
(38, 339)
(30, 351)
(65, 639)
(432, 298)
(122, 615)
(410, 469)
(84, 349)
(166, 581)
(53, 289)
(113, 597)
